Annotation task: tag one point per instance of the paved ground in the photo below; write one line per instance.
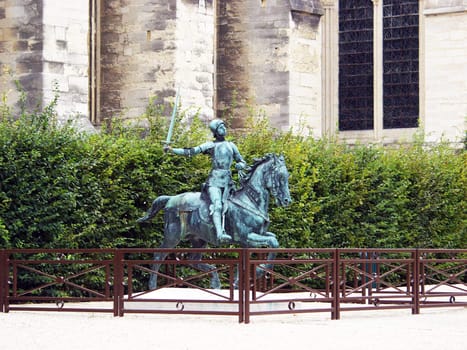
(396, 329)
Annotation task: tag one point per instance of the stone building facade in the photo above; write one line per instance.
(368, 70)
(44, 45)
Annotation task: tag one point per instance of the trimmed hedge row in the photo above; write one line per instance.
(60, 188)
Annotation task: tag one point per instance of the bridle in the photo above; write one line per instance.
(275, 177)
(271, 180)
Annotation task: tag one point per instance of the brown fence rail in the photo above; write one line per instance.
(57, 279)
(189, 281)
(237, 282)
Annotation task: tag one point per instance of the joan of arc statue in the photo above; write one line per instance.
(219, 182)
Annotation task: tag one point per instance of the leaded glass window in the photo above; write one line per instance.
(355, 65)
(400, 64)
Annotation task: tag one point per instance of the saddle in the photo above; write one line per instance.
(201, 214)
(194, 207)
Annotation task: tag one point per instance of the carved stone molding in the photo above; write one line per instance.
(329, 3)
(312, 7)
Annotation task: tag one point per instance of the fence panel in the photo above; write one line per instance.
(237, 282)
(295, 281)
(442, 277)
(58, 280)
(381, 278)
(189, 281)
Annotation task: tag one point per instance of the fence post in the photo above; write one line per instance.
(246, 284)
(335, 313)
(416, 282)
(118, 283)
(240, 276)
(3, 277)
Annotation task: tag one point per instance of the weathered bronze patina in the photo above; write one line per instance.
(220, 213)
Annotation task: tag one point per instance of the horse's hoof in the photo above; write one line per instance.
(224, 238)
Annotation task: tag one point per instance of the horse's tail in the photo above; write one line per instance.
(158, 204)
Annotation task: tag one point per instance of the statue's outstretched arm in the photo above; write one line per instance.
(181, 151)
(190, 151)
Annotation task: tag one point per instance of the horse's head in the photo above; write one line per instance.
(270, 174)
(277, 180)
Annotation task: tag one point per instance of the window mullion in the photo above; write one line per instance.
(378, 68)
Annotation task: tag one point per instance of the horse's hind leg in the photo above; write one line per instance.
(215, 281)
(171, 239)
(155, 269)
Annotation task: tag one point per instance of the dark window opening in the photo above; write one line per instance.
(400, 64)
(355, 65)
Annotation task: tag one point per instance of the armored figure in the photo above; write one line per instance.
(219, 182)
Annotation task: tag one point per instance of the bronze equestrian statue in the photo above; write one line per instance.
(221, 213)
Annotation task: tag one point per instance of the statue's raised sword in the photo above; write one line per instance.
(172, 120)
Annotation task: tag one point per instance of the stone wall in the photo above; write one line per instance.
(265, 60)
(151, 49)
(261, 54)
(305, 92)
(43, 45)
(137, 50)
(65, 55)
(21, 44)
(232, 72)
(252, 61)
(194, 58)
(267, 43)
(444, 6)
(445, 69)
(227, 58)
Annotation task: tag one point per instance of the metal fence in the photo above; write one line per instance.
(236, 282)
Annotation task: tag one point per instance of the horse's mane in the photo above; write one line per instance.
(256, 162)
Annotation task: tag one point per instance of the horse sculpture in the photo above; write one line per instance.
(186, 216)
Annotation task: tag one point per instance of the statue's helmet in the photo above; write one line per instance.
(213, 125)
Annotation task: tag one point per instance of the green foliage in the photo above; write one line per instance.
(367, 195)
(4, 235)
(47, 187)
(60, 188)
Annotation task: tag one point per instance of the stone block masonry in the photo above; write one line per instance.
(275, 58)
(153, 51)
(21, 44)
(445, 83)
(264, 48)
(194, 66)
(46, 49)
(66, 55)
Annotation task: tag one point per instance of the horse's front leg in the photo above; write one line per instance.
(269, 240)
(215, 281)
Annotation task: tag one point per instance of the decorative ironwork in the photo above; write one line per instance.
(400, 60)
(355, 65)
(301, 281)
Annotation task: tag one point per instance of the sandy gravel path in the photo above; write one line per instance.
(398, 329)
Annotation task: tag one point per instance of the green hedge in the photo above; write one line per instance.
(369, 196)
(60, 188)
